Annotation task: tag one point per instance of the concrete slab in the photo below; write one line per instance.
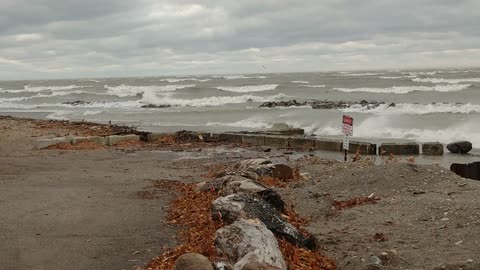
(253, 139)
(401, 148)
(94, 139)
(432, 148)
(230, 137)
(328, 145)
(363, 147)
(115, 139)
(276, 141)
(152, 137)
(44, 143)
(301, 143)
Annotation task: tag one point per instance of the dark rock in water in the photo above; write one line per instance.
(154, 106)
(233, 207)
(471, 171)
(77, 103)
(392, 105)
(460, 147)
(322, 105)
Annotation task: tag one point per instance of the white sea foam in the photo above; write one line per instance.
(421, 73)
(420, 109)
(33, 89)
(207, 101)
(380, 127)
(130, 90)
(315, 86)
(237, 77)
(92, 112)
(301, 82)
(361, 74)
(441, 80)
(397, 77)
(248, 88)
(253, 123)
(176, 80)
(408, 89)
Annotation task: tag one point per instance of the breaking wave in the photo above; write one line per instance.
(248, 88)
(246, 123)
(361, 74)
(408, 89)
(34, 89)
(207, 101)
(441, 80)
(176, 80)
(397, 77)
(420, 109)
(315, 86)
(236, 77)
(129, 90)
(301, 82)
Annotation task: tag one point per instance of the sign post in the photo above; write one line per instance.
(347, 130)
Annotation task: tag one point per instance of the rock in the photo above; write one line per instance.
(460, 147)
(233, 184)
(154, 106)
(253, 168)
(193, 261)
(233, 207)
(249, 244)
(432, 148)
(77, 103)
(375, 260)
(471, 171)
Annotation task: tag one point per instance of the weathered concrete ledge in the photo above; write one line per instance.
(400, 148)
(108, 140)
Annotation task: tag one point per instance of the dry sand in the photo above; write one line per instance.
(94, 209)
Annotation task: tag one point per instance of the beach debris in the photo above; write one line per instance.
(193, 261)
(233, 207)
(380, 237)
(375, 260)
(249, 244)
(353, 202)
(460, 147)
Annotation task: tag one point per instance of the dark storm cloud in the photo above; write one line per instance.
(57, 38)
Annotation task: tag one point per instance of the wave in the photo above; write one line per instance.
(92, 112)
(301, 82)
(248, 88)
(315, 86)
(408, 89)
(236, 77)
(34, 89)
(418, 109)
(441, 80)
(247, 123)
(380, 127)
(176, 80)
(124, 90)
(397, 77)
(208, 101)
(361, 74)
(420, 73)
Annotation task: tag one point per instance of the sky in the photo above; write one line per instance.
(114, 38)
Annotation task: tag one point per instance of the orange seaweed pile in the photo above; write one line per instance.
(303, 259)
(192, 210)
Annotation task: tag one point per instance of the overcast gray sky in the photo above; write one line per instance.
(97, 38)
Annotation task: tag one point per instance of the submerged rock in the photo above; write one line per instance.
(193, 261)
(249, 244)
(155, 106)
(233, 207)
(460, 147)
(77, 103)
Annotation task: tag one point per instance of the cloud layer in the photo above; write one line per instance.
(97, 38)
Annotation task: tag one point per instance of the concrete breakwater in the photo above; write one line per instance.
(292, 140)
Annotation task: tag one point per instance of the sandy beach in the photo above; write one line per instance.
(101, 209)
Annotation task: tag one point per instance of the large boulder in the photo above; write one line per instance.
(193, 261)
(249, 243)
(259, 167)
(236, 206)
(460, 147)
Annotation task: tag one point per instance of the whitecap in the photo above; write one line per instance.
(408, 89)
(124, 90)
(207, 101)
(301, 82)
(248, 88)
(441, 80)
(418, 109)
(251, 123)
(177, 80)
(237, 77)
(315, 86)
